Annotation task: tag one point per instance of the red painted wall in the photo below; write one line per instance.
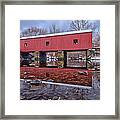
(61, 42)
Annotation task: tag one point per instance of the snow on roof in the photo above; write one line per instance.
(57, 34)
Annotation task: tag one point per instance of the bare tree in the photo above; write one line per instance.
(54, 29)
(33, 31)
(79, 25)
(97, 36)
(83, 25)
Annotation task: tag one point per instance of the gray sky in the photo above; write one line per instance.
(62, 24)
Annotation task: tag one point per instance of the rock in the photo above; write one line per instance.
(60, 92)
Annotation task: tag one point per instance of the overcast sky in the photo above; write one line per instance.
(62, 24)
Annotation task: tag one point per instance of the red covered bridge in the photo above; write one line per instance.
(78, 40)
(47, 56)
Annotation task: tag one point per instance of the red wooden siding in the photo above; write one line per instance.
(58, 42)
